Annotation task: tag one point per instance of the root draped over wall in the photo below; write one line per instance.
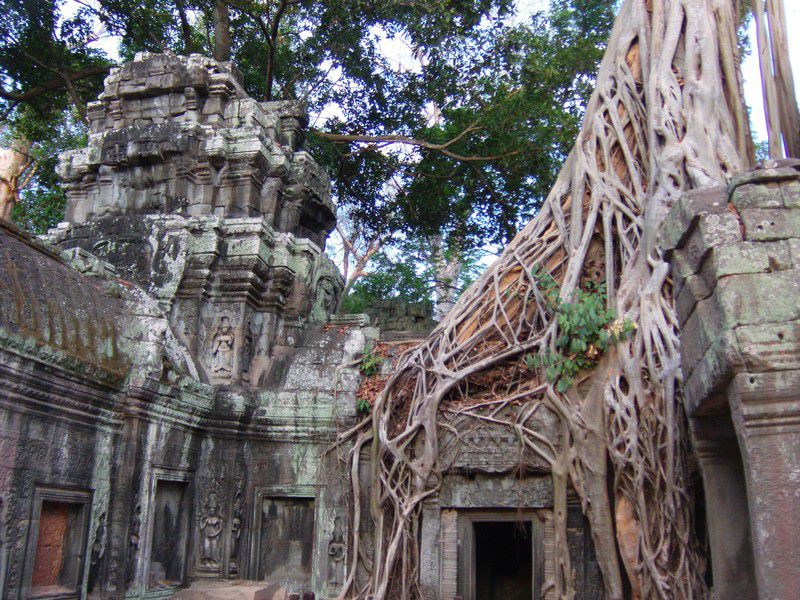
(667, 116)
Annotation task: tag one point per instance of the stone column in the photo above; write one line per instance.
(717, 450)
(766, 411)
(735, 256)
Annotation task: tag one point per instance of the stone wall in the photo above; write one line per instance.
(168, 363)
(171, 369)
(397, 319)
(735, 256)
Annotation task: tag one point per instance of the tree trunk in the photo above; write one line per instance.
(186, 28)
(13, 163)
(222, 32)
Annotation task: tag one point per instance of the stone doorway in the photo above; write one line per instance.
(285, 541)
(500, 555)
(503, 560)
(57, 544)
(170, 534)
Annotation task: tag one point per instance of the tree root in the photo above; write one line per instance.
(666, 117)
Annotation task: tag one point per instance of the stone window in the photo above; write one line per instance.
(57, 543)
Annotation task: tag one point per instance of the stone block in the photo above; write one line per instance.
(794, 251)
(751, 257)
(704, 383)
(711, 231)
(770, 346)
(790, 190)
(761, 176)
(694, 289)
(757, 195)
(686, 211)
(700, 330)
(766, 224)
(759, 297)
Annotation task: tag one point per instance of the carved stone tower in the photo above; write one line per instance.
(205, 197)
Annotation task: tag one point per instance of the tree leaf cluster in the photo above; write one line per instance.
(586, 329)
(493, 102)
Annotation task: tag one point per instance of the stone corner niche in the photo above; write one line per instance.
(56, 547)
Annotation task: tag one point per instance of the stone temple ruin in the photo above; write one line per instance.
(173, 374)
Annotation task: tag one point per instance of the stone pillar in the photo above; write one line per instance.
(766, 411)
(728, 520)
(735, 257)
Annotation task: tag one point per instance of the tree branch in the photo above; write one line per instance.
(54, 84)
(383, 140)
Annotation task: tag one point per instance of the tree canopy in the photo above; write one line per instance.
(453, 134)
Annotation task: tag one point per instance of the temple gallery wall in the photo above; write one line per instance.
(173, 374)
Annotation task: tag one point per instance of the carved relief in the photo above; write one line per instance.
(247, 349)
(222, 343)
(97, 552)
(134, 539)
(336, 556)
(326, 300)
(211, 527)
(236, 532)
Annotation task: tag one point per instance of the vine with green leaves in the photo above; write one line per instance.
(586, 328)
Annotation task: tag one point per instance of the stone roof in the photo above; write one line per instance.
(46, 303)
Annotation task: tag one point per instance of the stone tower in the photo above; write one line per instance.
(205, 198)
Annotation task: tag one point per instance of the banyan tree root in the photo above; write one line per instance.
(667, 116)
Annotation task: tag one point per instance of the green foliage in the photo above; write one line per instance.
(512, 93)
(362, 406)
(42, 201)
(399, 279)
(370, 362)
(586, 328)
(405, 272)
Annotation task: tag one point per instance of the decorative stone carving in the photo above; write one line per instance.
(97, 551)
(236, 532)
(336, 555)
(247, 349)
(222, 344)
(134, 539)
(211, 527)
(326, 298)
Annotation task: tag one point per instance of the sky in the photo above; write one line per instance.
(752, 76)
(400, 54)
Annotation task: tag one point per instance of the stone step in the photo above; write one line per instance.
(235, 590)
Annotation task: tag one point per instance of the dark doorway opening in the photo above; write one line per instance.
(170, 534)
(286, 541)
(503, 560)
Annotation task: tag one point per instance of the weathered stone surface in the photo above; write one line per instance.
(686, 211)
(397, 319)
(738, 303)
(169, 353)
(172, 367)
(223, 590)
(770, 346)
(751, 257)
(766, 225)
(760, 297)
(766, 412)
(178, 135)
